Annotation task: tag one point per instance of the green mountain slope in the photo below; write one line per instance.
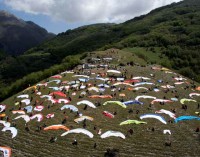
(170, 33)
(175, 29)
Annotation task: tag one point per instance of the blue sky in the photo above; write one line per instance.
(43, 20)
(60, 15)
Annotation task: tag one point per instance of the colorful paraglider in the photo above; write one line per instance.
(56, 127)
(82, 118)
(189, 100)
(132, 122)
(58, 93)
(108, 114)
(181, 118)
(133, 102)
(115, 102)
(101, 96)
(39, 108)
(172, 115)
(38, 116)
(18, 112)
(50, 115)
(6, 151)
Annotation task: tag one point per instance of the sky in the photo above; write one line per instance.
(57, 16)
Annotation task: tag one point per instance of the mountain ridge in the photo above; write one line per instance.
(17, 35)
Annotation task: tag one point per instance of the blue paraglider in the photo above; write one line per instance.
(186, 118)
(132, 102)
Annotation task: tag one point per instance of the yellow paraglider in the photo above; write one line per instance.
(183, 100)
(115, 102)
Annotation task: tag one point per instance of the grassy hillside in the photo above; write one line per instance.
(170, 34)
(146, 140)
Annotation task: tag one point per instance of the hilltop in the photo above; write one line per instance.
(168, 36)
(131, 77)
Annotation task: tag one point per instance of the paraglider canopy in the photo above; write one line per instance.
(86, 102)
(71, 107)
(56, 127)
(114, 71)
(132, 122)
(79, 130)
(115, 102)
(113, 133)
(13, 130)
(156, 116)
(186, 118)
(6, 151)
(2, 108)
(108, 114)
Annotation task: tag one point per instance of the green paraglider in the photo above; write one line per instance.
(132, 122)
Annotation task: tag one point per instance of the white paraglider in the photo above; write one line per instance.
(156, 116)
(113, 133)
(5, 124)
(2, 108)
(25, 117)
(167, 131)
(38, 116)
(13, 130)
(86, 102)
(79, 130)
(145, 97)
(172, 115)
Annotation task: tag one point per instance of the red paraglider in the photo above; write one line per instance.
(108, 114)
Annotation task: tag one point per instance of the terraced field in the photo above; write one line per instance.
(146, 140)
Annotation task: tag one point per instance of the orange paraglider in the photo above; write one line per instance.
(6, 151)
(2, 115)
(101, 96)
(56, 127)
(198, 88)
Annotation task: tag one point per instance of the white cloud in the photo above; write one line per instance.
(90, 11)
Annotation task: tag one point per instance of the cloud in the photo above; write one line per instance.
(88, 11)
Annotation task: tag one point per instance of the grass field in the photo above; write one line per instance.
(144, 142)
